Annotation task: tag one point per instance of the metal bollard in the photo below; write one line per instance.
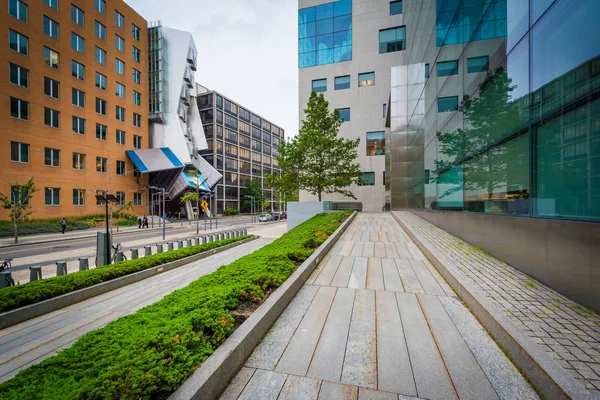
(189, 242)
(84, 264)
(180, 244)
(244, 232)
(159, 248)
(147, 251)
(135, 254)
(61, 268)
(204, 239)
(197, 241)
(170, 246)
(5, 276)
(211, 238)
(119, 256)
(35, 273)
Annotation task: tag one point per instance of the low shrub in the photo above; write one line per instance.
(32, 227)
(33, 292)
(149, 354)
(231, 211)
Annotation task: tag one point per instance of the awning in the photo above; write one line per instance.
(207, 171)
(153, 160)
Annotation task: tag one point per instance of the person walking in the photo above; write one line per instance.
(145, 223)
(63, 225)
(139, 222)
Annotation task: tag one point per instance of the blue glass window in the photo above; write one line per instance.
(342, 7)
(391, 40)
(324, 11)
(342, 82)
(375, 143)
(426, 71)
(478, 64)
(396, 7)
(469, 21)
(447, 104)
(384, 110)
(344, 114)
(366, 79)
(319, 85)
(447, 68)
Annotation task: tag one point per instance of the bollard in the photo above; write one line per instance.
(189, 242)
(135, 254)
(198, 241)
(61, 268)
(84, 264)
(180, 244)
(244, 232)
(203, 239)
(227, 235)
(159, 248)
(211, 238)
(170, 246)
(5, 277)
(147, 251)
(119, 256)
(35, 273)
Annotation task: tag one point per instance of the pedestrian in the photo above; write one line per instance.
(145, 223)
(139, 222)
(63, 225)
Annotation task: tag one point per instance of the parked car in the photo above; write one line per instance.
(276, 216)
(265, 218)
(283, 215)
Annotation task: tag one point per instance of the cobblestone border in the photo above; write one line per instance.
(25, 313)
(212, 378)
(545, 374)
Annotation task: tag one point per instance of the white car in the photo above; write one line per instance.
(265, 218)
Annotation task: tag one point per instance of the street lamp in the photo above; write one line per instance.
(251, 207)
(163, 197)
(106, 198)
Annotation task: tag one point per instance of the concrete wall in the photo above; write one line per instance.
(564, 255)
(300, 211)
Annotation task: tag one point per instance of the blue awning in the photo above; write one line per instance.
(153, 160)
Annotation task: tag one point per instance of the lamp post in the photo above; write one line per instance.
(106, 198)
(251, 207)
(163, 206)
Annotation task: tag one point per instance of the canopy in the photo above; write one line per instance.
(153, 160)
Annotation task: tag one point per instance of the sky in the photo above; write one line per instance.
(247, 50)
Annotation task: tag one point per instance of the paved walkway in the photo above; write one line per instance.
(376, 321)
(30, 342)
(568, 332)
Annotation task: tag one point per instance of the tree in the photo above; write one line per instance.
(194, 196)
(253, 189)
(119, 213)
(317, 160)
(18, 202)
(264, 204)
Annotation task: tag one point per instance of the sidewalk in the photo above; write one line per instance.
(376, 321)
(566, 331)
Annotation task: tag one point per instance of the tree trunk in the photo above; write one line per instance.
(15, 230)
(319, 195)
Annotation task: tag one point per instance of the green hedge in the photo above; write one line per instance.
(149, 354)
(32, 228)
(33, 292)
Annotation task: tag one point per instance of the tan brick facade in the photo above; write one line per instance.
(38, 136)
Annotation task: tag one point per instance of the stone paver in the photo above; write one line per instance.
(376, 321)
(568, 332)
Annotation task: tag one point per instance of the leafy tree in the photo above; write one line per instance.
(253, 188)
(264, 204)
(18, 202)
(317, 160)
(120, 212)
(194, 197)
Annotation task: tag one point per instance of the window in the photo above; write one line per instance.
(137, 98)
(100, 81)
(137, 142)
(384, 110)
(101, 193)
(447, 68)
(52, 196)
(100, 6)
(52, 4)
(51, 117)
(100, 56)
(395, 7)
(100, 106)
(51, 58)
(135, 32)
(77, 42)
(79, 197)
(120, 197)
(137, 76)
(101, 164)
(478, 64)
(446, 104)
(78, 161)
(375, 143)
(319, 85)
(100, 30)
(427, 71)
(367, 179)
(119, 43)
(393, 39)
(137, 199)
(77, 70)
(119, 19)
(78, 125)
(18, 9)
(19, 109)
(101, 131)
(120, 113)
(51, 157)
(120, 137)
(342, 82)
(137, 120)
(136, 53)
(78, 97)
(51, 27)
(77, 15)
(18, 42)
(51, 87)
(120, 90)
(19, 152)
(19, 76)
(119, 67)
(344, 114)
(120, 167)
(366, 79)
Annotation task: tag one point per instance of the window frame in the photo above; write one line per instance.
(77, 12)
(136, 76)
(101, 165)
(361, 77)
(340, 110)
(395, 3)
(19, 37)
(122, 164)
(341, 86)
(135, 29)
(75, 70)
(78, 95)
(120, 90)
(54, 121)
(100, 6)
(54, 194)
(49, 83)
(119, 41)
(17, 9)
(79, 161)
(54, 156)
(19, 103)
(48, 61)
(364, 182)
(321, 80)
(100, 56)
(472, 59)
(447, 72)
(53, 4)
(101, 81)
(101, 131)
(396, 41)
(53, 27)
(103, 106)
(100, 30)
(120, 113)
(120, 134)
(80, 123)
(117, 63)
(137, 142)
(446, 98)
(136, 54)
(375, 136)
(79, 194)
(19, 74)
(20, 152)
(119, 17)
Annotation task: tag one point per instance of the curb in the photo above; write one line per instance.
(549, 378)
(213, 376)
(25, 313)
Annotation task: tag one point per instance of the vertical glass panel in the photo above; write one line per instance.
(324, 11)
(375, 143)
(478, 64)
(538, 7)
(450, 189)
(342, 23)
(342, 7)
(324, 26)
(306, 15)
(344, 114)
(517, 21)
(319, 85)
(447, 68)
(447, 104)
(396, 7)
(366, 79)
(342, 82)
(367, 179)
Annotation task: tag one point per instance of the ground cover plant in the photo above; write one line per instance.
(149, 354)
(33, 292)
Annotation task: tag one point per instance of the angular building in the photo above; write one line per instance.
(73, 100)
(241, 146)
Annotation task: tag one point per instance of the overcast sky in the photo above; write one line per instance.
(247, 50)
